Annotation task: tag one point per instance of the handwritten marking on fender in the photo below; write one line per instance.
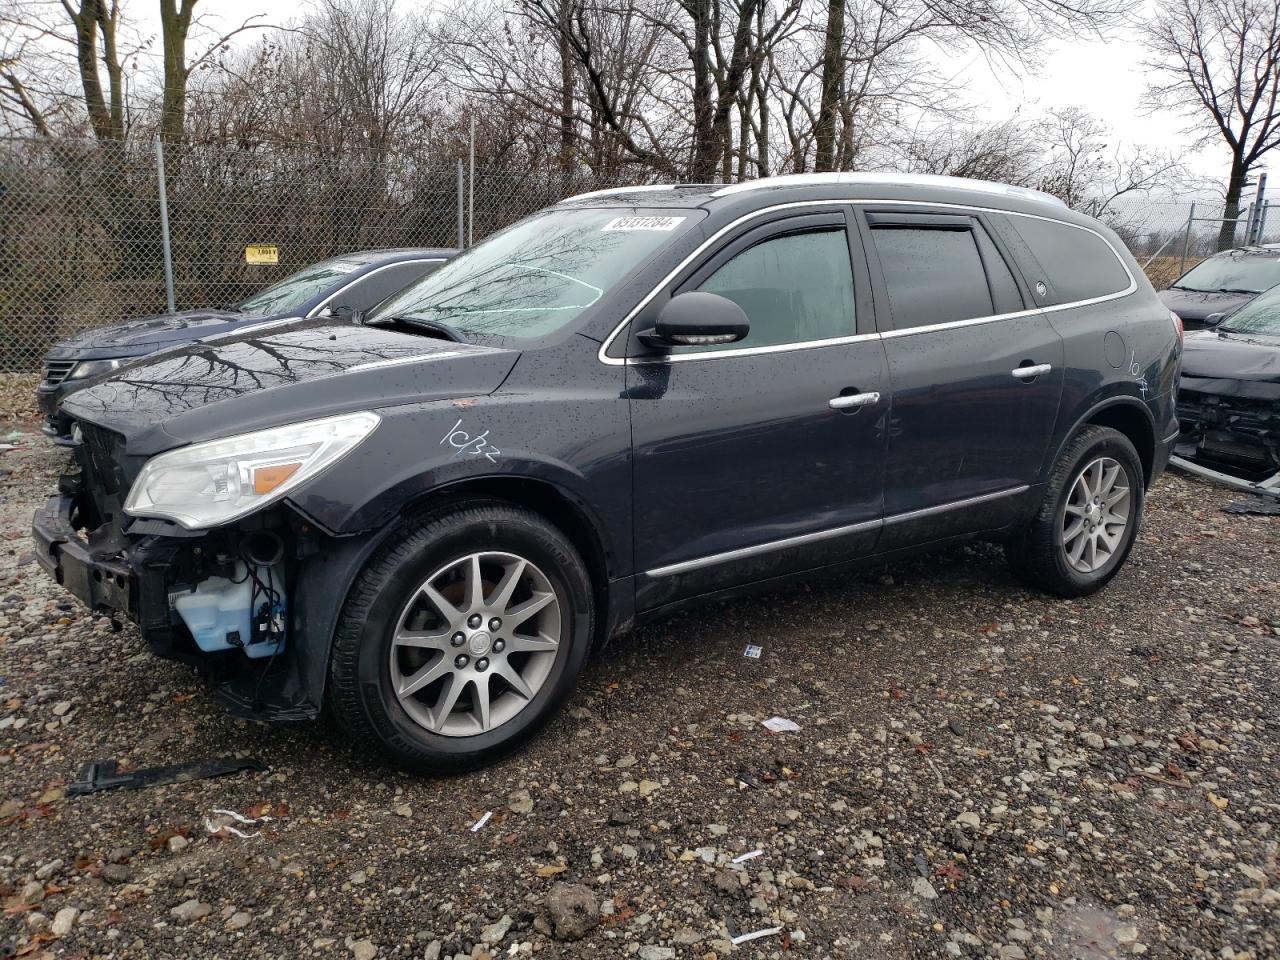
(462, 442)
(1135, 371)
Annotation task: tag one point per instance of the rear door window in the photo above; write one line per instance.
(1079, 264)
(941, 270)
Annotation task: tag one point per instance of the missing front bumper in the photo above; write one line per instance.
(103, 584)
(1269, 487)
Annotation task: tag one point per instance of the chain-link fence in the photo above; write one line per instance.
(1168, 238)
(81, 238)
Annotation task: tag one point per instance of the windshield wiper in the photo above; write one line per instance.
(433, 327)
(1235, 290)
(1246, 333)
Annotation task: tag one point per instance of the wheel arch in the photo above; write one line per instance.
(560, 507)
(1130, 417)
(566, 511)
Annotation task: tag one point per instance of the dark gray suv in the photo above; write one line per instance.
(629, 402)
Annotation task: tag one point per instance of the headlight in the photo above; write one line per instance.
(211, 483)
(94, 368)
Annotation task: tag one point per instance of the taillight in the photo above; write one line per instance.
(1177, 324)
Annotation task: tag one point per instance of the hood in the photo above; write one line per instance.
(149, 333)
(1193, 306)
(300, 371)
(1231, 365)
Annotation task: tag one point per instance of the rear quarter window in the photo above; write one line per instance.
(1078, 263)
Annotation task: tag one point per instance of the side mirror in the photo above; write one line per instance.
(1213, 319)
(697, 319)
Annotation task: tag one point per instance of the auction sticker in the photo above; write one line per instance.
(662, 224)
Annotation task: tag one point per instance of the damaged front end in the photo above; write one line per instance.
(221, 599)
(1230, 432)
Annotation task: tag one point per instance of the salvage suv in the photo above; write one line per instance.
(628, 402)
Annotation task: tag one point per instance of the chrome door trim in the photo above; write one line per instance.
(955, 505)
(601, 353)
(742, 553)
(685, 566)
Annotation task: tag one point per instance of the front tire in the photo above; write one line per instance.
(1089, 519)
(461, 637)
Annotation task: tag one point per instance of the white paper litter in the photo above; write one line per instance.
(251, 821)
(755, 936)
(227, 828)
(747, 856)
(224, 828)
(781, 725)
(482, 821)
(752, 652)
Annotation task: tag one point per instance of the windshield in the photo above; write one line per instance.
(295, 290)
(1259, 317)
(538, 276)
(1235, 271)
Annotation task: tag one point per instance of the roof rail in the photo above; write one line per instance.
(644, 188)
(889, 179)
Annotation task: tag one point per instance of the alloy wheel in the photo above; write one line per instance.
(475, 643)
(1097, 515)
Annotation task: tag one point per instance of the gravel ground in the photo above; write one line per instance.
(979, 771)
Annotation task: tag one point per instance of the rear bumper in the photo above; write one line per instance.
(1163, 455)
(104, 585)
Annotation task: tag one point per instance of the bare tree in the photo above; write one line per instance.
(1087, 171)
(1219, 64)
(41, 37)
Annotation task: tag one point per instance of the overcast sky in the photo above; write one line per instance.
(1104, 77)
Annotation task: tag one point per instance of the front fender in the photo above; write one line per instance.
(576, 440)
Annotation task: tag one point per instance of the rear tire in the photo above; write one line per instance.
(1089, 518)
(461, 637)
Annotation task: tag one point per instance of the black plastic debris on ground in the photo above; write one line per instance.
(1263, 506)
(103, 774)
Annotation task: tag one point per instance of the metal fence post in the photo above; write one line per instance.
(164, 226)
(471, 191)
(1260, 209)
(462, 236)
(1186, 241)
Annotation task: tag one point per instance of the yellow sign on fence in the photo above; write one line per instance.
(262, 253)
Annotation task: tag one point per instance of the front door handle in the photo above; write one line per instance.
(1030, 373)
(854, 400)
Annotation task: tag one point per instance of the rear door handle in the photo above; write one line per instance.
(1030, 373)
(855, 400)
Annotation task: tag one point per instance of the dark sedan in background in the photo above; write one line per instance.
(1229, 398)
(1216, 287)
(354, 281)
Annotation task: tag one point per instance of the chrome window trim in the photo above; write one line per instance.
(314, 311)
(698, 563)
(602, 352)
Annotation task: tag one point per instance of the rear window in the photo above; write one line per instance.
(932, 275)
(1079, 263)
